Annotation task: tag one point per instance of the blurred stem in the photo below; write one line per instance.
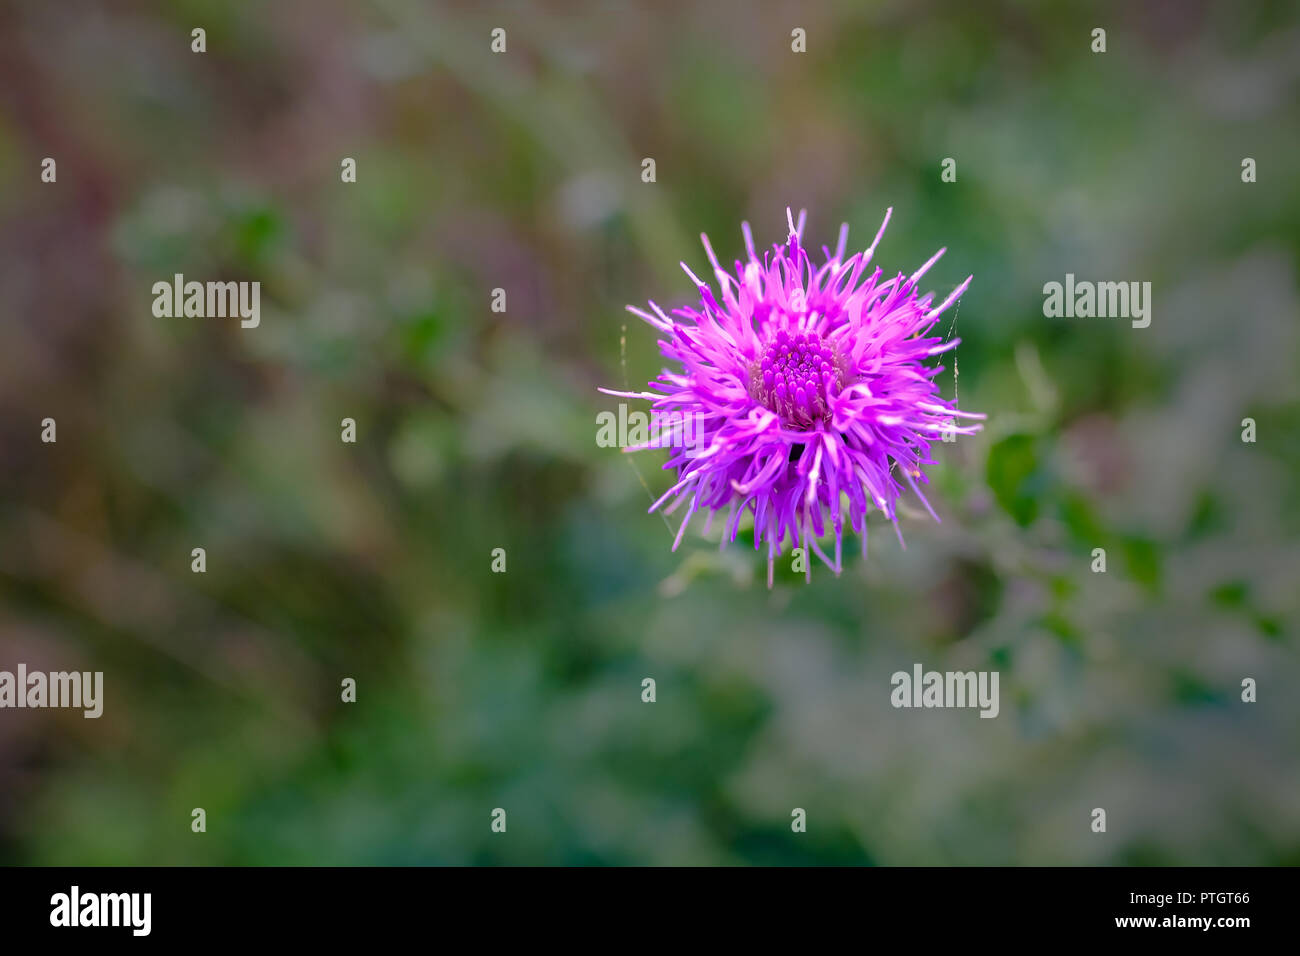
(1042, 393)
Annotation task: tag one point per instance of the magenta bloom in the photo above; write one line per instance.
(805, 387)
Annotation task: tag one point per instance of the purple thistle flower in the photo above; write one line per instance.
(806, 388)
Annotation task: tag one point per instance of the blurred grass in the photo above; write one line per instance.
(475, 431)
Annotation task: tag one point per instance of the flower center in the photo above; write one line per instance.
(796, 378)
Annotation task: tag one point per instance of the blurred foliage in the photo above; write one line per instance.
(476, 431)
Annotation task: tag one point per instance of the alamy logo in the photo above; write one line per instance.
(216, 300)
(103, 909)
(946, 689)
(55, 689)
(636, 430)
(1104, 300)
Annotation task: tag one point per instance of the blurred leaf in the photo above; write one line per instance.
(1143, 559)
(1016, 476)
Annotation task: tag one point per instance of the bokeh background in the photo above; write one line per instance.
(476, 430)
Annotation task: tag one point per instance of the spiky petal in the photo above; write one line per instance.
(808, 387)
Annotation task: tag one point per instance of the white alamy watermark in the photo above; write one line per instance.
(213, 300)
(76, 689)
(637, 429)
(1102, 300)
(75, 908)
(923, 688)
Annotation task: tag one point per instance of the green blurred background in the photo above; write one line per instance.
(476, 430)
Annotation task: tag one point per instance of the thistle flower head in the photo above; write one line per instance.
(807, 391)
